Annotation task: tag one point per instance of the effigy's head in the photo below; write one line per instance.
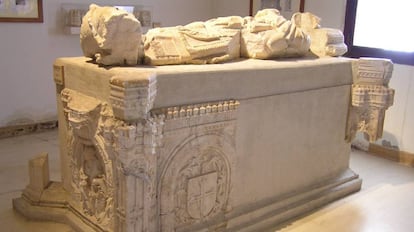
(110, 36)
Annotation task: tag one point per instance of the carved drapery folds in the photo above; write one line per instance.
(371, 97)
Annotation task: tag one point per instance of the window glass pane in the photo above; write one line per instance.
(129, 9)
(385, 24)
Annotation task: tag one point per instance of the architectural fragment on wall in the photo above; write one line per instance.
(113, 37)
(371, 97)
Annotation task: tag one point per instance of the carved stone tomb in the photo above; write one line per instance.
(240, 146)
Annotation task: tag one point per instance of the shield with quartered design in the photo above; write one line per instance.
(201, 195)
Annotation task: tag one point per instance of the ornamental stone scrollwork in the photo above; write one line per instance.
(113, 164)
(371, 97)
(91, 166)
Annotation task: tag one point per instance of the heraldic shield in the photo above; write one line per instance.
(201, 195)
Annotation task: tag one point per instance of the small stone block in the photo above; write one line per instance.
(39, 172)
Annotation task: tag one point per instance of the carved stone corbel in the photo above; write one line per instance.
(132, 97)
(371, 97)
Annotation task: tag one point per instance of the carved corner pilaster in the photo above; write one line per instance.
(132, 96)
(135, 145)
(371, 97)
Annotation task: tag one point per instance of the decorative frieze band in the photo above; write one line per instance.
(373, 71)
(372, 95)
(197, 114)
(198, 109)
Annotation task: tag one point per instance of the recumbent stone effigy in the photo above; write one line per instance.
(112, 37)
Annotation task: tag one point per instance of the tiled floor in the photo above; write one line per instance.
(385, 203)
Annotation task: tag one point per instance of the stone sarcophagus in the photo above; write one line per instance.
(240, 146)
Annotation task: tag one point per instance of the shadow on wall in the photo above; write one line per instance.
(388, 140)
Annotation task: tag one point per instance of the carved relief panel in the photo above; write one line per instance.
(196, 161)
(91, 166)
(113, 165)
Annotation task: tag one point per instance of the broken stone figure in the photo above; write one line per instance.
(324, 41)
(110, 36)
(214, 41)
(113, 37)
(269, 35)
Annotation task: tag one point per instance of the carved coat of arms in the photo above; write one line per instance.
(201, 195)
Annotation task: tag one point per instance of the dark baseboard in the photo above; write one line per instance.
(401, 157)
(17, 130)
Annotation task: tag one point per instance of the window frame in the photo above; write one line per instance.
(406, 58)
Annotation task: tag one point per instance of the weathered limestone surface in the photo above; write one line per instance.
(214, 41)
(269, 35)
(241, 146)
(110, 36)
(113, 37)
(324, 41)
(371, 97)
(39, 176)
